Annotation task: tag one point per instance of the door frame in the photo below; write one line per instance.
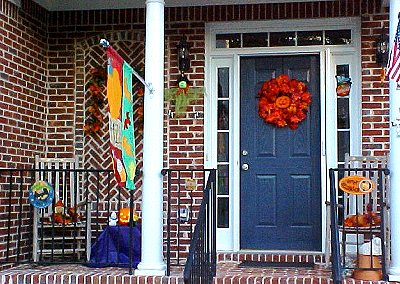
(231, 58)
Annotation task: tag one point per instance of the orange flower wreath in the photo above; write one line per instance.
(283, 101)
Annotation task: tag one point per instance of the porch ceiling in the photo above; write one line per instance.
(61, 5)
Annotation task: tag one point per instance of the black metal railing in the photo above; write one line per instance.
(29, 234)
(201, 263)
(359, 230)
(185, 192)
(66, 229)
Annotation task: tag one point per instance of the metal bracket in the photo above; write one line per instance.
(198, 114)
(104, 43)
(184, 214)
(396, 124)
(170, 114)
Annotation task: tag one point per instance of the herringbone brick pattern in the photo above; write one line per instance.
(96, 152)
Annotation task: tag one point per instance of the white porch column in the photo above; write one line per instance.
(152, 193)
(394, 165)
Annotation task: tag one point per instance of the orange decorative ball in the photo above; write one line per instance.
(123, 216)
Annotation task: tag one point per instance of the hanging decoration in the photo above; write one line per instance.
(283, 102)
(94, 116)
(41, 194)
(343, 85)
(356, 185)
(183, 95)
(120, 102)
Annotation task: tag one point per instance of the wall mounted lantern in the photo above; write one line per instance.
(183, 55)
(382, 49)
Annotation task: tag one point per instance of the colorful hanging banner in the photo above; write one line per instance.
(122, 140)
(128, 131)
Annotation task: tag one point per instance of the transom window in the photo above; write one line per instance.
(293, 38)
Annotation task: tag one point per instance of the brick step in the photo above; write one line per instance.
(229, 270)
(284, 279)
(78, 274)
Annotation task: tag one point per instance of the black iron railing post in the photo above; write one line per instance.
(9, 216)
(201, 262)
(336, 271)
(167, 172)
(383, 205)
(213, 184)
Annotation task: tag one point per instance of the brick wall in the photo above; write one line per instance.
(23, 79)
(375, 93)
(186, 136)
(23, 110)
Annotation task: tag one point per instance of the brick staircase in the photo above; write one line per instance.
(228, 272)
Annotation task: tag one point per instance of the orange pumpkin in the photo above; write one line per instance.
(124, 216)
(282, 102)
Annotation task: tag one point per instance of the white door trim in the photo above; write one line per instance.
(328, 55)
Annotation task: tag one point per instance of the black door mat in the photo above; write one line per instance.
(275, 264)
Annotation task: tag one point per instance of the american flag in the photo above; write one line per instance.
(393, 67)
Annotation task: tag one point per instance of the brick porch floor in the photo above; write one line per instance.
(228, 272)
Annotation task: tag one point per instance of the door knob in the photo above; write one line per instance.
(244, 153)
(245, 166)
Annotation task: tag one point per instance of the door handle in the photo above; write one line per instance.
(245, 167)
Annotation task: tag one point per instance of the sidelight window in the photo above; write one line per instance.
(343, 117)
(223, 127)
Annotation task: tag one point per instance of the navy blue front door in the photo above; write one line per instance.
(280, 193)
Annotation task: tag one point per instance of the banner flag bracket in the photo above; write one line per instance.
(105, 43)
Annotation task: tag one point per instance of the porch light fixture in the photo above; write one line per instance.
(183, 55)
(382, 49)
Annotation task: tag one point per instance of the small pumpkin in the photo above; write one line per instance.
(124, 215)
(283, 102)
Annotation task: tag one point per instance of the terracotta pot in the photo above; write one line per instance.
(365, 272)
